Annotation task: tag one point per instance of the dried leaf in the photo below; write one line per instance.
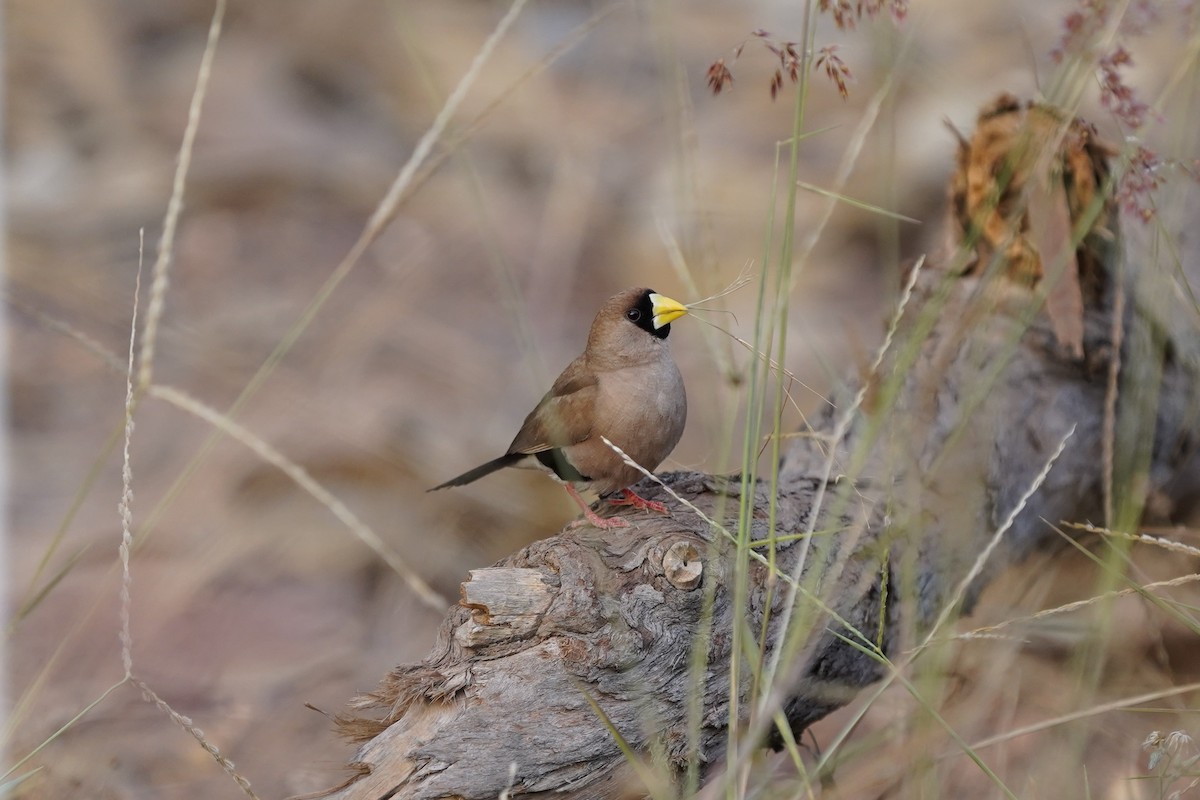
(1023, 182)
(1050, 235)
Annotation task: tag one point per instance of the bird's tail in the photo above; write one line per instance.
(506, 460)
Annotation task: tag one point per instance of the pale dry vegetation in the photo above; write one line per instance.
(302, 399)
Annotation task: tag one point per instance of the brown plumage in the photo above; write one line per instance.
(624, 387)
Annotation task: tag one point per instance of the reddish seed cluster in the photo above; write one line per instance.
(789, 61)
(1144, 172)
(846, 14)
(835, 69)
(1142, 176)
(1081, 26)
(1118, 96)
(718, 76)
(787, 53)
(1078, 27)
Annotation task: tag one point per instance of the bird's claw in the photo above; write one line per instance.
(592, 518)
(632, 498)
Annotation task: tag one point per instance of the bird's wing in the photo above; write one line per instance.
(564, 416)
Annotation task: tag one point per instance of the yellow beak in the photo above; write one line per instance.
(665, 309)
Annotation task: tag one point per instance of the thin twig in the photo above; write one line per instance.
(1145, 538)
(63, 728)
(1075, 716)
(383, 213)
(985, 632)
(387, 206)
(775, 365)
(198, 735)
(306, 482)
(981, 560)
(1108, 437)
(840, 429)
(166, 245)
(124, 507)
(682, 500)
(743, 278)
(88, 342)
(729, 535)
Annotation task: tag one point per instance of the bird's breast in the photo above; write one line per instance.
(641, 410)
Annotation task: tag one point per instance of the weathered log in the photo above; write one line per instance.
(995, 367)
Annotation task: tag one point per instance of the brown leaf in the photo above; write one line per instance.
(1050, 235)
(1025, 180)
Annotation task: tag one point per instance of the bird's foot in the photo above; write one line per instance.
(592, 518)
(607, 523)
(632, 498)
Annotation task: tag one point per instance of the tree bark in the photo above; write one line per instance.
(1002, 357)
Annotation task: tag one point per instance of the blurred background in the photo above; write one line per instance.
(589, 156)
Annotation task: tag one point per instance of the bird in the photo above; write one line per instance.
(624, 387)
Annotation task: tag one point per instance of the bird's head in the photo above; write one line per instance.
(632, 323)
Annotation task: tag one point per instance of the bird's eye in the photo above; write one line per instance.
(634, 314)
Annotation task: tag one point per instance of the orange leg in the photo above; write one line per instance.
(632, 498)
(592, 516)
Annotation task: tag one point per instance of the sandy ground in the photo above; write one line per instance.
(249, 598)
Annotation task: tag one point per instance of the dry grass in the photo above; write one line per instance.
(376, 214)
